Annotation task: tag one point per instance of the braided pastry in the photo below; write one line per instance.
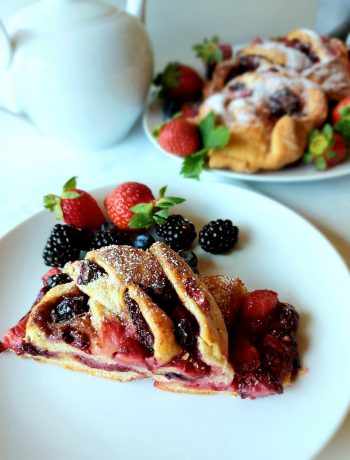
(270, 115)
(129, 314)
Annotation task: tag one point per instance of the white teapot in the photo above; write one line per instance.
(79, 70)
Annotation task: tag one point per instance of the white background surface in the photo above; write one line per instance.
(31, 166)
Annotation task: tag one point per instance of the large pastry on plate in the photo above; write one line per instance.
(126, 314)
(270, 113)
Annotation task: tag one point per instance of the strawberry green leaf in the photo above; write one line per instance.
(345, 111)
(193, 165)
(343, 128)
(313, 134)
(168, 202)
(141, 220)
(331, 155)
(50, 201)
(327, 131)
(162, 191)
(320, 164)
(159, 220)
(58, 211)
(209, 50)
(71, 184)
(307, 158)
(163, 213)
(143, 208)
(319, 145)
(70, 195)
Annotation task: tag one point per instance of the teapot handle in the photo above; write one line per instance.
(136, 8)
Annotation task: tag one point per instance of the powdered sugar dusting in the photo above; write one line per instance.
(134, 266)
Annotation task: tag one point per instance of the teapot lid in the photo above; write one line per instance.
(54, 15)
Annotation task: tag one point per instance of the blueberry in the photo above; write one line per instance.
(143, 241)
(189, 257)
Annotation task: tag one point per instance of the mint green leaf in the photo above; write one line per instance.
(164, 213)
(218, 138)
(327, 131)
(71, 195)
(71, 184)
(141, 220)
(193, 165)
(205, 127)
(145, 208)
(162, 191)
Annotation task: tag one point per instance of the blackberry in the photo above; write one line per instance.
(59, 278)
(144, 241)
(171, 107)
(63, 245)
(102, 238)
(218, 236)
(178, 232)
(108, 226)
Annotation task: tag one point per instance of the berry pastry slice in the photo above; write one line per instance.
(60, 329)
(126, 314)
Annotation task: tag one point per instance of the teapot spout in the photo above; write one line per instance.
(136, 8)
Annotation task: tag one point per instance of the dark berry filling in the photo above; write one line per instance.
(68, 308)
(57, 279)
(303, 47)
(89, 272)
(75, 338)
(284, 102)
(263, 349)
(145, 335)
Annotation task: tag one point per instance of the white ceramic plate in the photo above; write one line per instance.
(153, 117)
(50, 413)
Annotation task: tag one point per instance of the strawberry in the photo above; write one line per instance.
(124, 197)
(212, 51)
(50, 272)
(259, 304)
(179, 137)
(75, 207)
(326, 148)
(179, 82)
(132, 205)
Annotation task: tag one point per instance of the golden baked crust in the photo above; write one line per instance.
(259, 140)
